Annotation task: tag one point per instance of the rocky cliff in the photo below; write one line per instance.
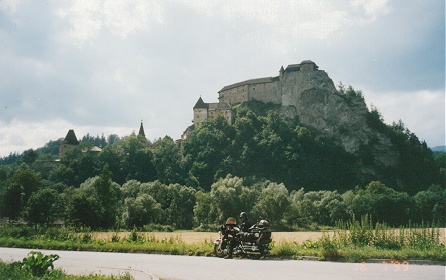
(311, 95)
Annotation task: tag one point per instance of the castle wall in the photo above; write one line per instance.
(234, 95)
(266, 92)
(215, 112)
(200, 115)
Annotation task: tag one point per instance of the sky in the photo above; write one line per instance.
(100, 67)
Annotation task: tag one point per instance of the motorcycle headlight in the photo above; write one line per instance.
(256, 235)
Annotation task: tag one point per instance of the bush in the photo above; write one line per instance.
(134, 236)
(38, 263)
(329, 248)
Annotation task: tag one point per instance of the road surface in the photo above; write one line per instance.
(150, 266)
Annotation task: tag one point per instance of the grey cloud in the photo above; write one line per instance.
(157, 73)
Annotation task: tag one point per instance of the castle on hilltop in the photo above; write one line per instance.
(270, 89)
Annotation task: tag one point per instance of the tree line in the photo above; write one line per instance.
(101, 203)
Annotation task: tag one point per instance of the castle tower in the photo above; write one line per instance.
(200, 112)
(70, 141)
(141, 131)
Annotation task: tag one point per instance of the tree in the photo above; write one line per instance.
(82, 210)
(208, 149)
(44, 207)
(17, 191)
(140, 211)
(29, 156)
(79, 165)
(430, 205)
(384, 204)
(168, 161)
(112, 138)
(106, 192)
(130, 188)
(95, 203)
(202, 209)
(272, 205)
(11, 201)
(129, 158)
(176, 201)
(229, 197)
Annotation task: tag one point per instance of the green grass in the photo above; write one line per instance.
(62, 239)
(355, 241)
(11, 271)
(352, 241)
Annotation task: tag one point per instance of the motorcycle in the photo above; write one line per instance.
(255, 243)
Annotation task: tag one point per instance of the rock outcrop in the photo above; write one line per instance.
(305, 92)
(311, 95)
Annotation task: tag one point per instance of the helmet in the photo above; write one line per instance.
(243, 216)
(263, 223)
(231, 221)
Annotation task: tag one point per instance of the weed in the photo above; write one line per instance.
(38, 263)
(115, 237)
(86, 237)
(134, 236)
(329, 248)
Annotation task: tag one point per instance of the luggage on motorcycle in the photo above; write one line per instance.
(264, 229)
(259, 233)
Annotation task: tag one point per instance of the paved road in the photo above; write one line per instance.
(147, 266)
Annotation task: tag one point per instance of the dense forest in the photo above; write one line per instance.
(268, 166)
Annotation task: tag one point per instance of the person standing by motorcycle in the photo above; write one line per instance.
(245, 225)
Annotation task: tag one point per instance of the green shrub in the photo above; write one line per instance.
(115, 237)
(38, 263)
(134, 236)
(329, 248)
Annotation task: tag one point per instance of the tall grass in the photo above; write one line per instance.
(355, 240)
(364, 233)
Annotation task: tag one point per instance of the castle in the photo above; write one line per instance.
(271, 89)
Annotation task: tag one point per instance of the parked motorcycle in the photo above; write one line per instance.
(255, 243)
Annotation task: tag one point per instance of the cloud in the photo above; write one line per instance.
(120, 17)
(422, 112)
(298, 19)
(111, 63)
(372, 8)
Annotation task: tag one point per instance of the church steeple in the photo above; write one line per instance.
(141, 131)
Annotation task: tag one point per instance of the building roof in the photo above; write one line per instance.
(141, 131)
(200, 104)
(250, 82)
(70, 139)
(291, 67)
(219, 105)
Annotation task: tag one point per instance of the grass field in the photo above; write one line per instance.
(191, 237)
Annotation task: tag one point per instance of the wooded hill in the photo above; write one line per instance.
(270, 165)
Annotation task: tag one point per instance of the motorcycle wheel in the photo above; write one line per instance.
(218, 251)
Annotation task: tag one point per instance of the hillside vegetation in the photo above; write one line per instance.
(267, 165)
